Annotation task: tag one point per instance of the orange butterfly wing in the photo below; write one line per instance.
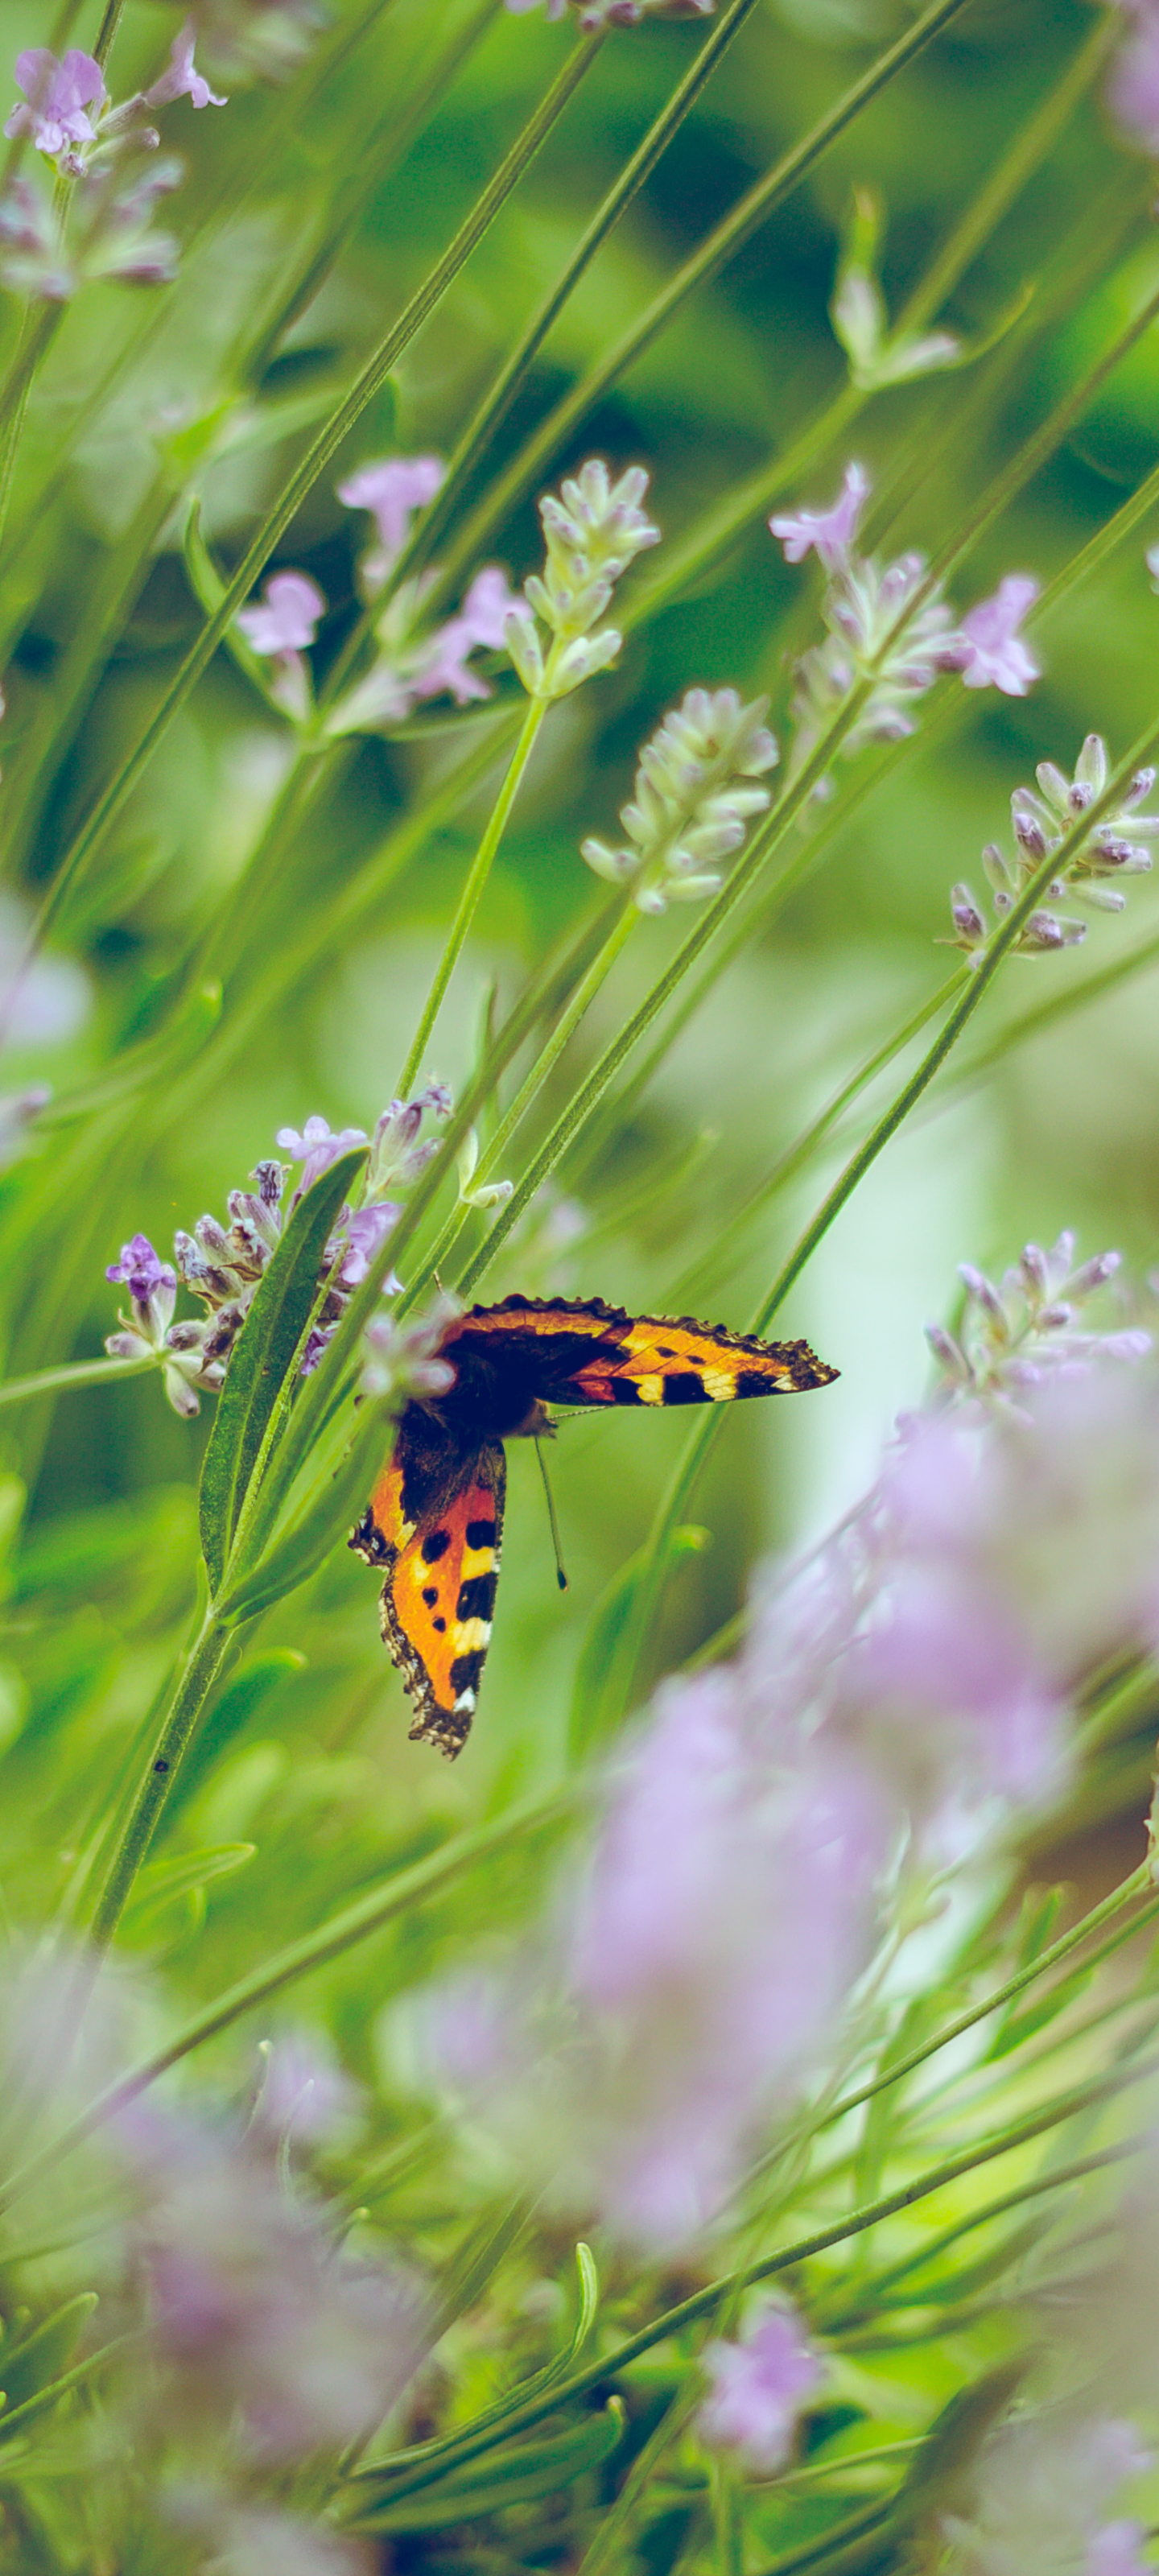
(638, 1359)
(442, 1567)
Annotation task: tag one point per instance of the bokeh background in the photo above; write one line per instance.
(306, 1753)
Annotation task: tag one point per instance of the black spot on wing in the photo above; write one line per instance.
(435, 1545)
(685, 1386)
(441, 1625)
(431, 1595)
(624, 1390)
(465, 1673)
(754, 1382)
(480, 1534)
(476, 1597)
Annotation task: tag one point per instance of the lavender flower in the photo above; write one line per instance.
(253, 2319)
(416, 662)
(1017, 1334)
(392, 489)
(997, 657)
(1089, 865)
(143, 1274)
(694, 798)
(182, 79)
(287, 619)
(829, 532)
(58, 95)
(317, 1147)
(594, 530)
(757, 2387)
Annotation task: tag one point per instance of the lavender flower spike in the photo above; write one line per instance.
(58, 94)
(758, 2387)
(286, 620)
(183, 80)
(997, 656)
(829, 532)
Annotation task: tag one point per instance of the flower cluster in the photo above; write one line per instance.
(223, 1265)
(593, 531)
(1018, 1333)
(104, 228)
(695, 794)
(891, 631)
(415, 661)
(1091, 863)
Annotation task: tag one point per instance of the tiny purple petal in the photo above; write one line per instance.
(287, 620)
(391, 489)
(830, 532)
(998, 658)
(140, 1270)
(183, 80)
(58, 94)
(366, 1229)
(758, 2387)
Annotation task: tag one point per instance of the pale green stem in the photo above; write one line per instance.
(469, 900)
(727, 237)
(103, 47)
(302, 1958)
(539, 1073)
(56, 1381)
(323, 448)
(614, 2532)
(728, 2517)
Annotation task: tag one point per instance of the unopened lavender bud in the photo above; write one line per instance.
(581, 659)
(522, 641)
(1140, 787)
(1035, 1273)
(615, 865)
(985, 1295)
(1094, 1273)
(967, 919)
(948, 1353)
(1029, 833)
(1054, 1319)
(1046, 931)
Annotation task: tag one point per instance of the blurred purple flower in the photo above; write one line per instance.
(758, 2387)
(480, 620)
(183, 80)
(1042, 2482)
(830, 532)
(58, 94)
(286, 620)
(252, 2315)
(994, 653)
(303, 2093)
(317, 1147)
(365, 1229)
(391, 490)
(1133, 87)
(1117, 2550)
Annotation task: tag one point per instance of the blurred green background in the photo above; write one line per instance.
(313, 1763)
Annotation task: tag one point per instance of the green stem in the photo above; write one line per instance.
(55, 1381)
(202, 1665)
(469, 900)
(615, 2529)
(114, 11)
(318, 456)
(720, 245)
(357, 1922)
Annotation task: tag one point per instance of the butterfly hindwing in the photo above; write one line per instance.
(583, 1352)
(435, 1525)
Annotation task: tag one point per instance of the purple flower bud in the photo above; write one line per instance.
(1094, 1273)
(967, 919)
(140, 1270)
(985, 1295)
(757, 2388)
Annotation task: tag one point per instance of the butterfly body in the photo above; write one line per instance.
(434, 1523)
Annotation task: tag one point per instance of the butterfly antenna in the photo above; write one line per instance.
(560, 1576)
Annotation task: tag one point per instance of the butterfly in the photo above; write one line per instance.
(435, 1519)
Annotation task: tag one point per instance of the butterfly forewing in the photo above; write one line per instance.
(435, 1519)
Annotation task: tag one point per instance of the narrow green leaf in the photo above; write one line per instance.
(162, 1881)
(515, 2477)
(43, 2354)
(473, 2262)
(262, 1357)
(308, 1540)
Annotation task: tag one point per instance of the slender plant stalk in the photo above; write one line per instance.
(59, 1381)
(469, 900)
(202, 1666)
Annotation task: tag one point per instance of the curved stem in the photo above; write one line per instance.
(56, 1381)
